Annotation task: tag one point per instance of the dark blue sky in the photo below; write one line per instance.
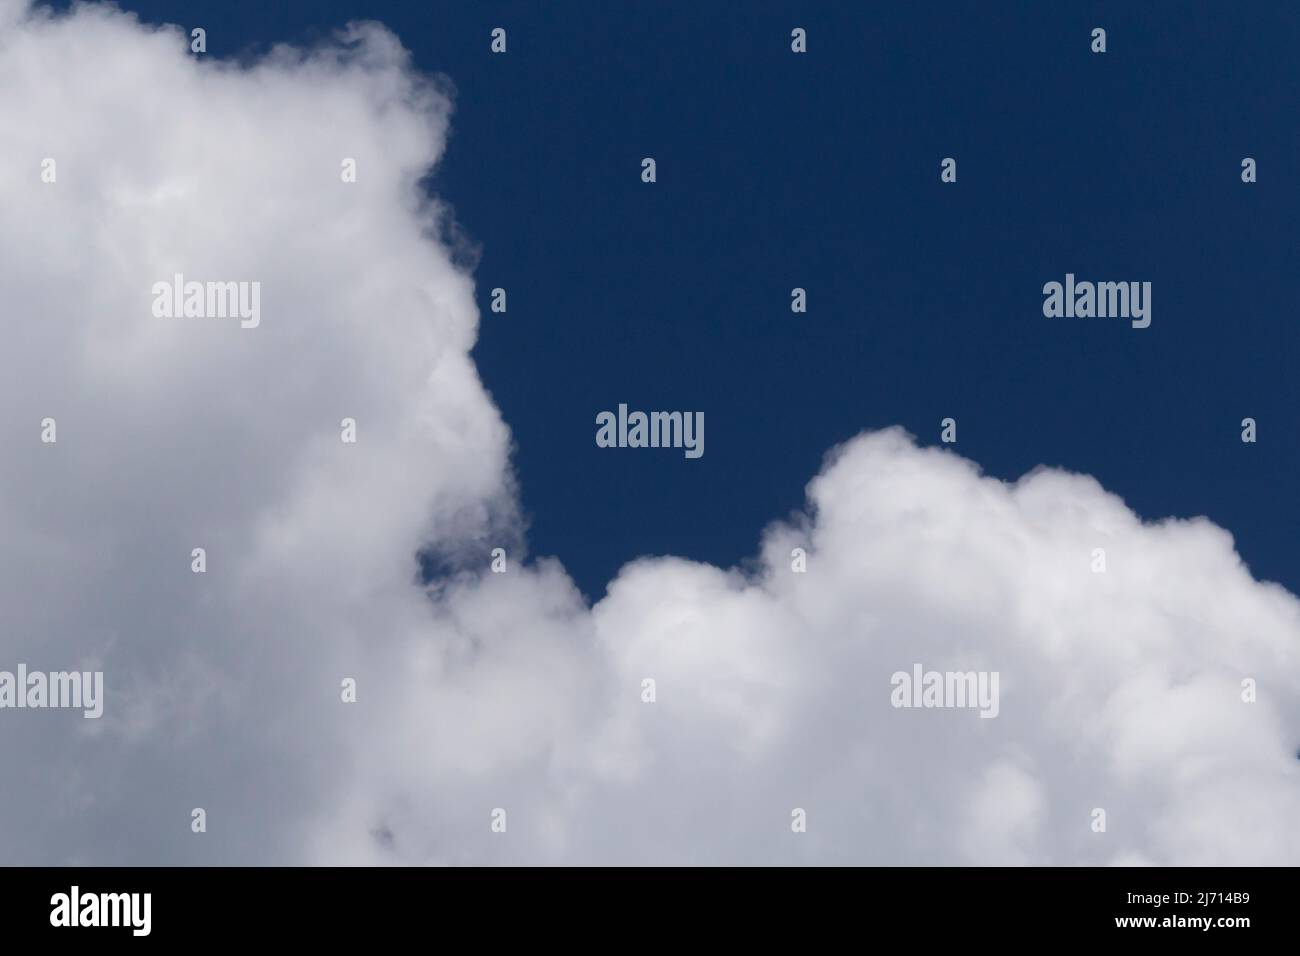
(822, 171)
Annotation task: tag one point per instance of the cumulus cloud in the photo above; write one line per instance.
(1119, 690)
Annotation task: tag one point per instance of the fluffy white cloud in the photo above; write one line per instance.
(1119, 690)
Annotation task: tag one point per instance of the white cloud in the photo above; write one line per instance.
(1118, 690)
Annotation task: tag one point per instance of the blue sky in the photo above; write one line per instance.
(822, 171)
(206, 534)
